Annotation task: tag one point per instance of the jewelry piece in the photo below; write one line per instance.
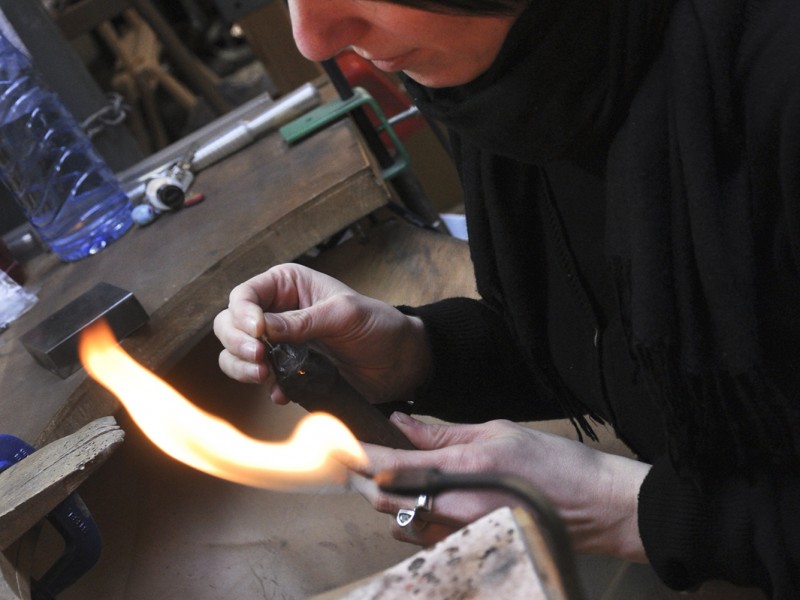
(406, 515)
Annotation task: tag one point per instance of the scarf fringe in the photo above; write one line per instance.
(717, 421)
(581, 421)
(573, 408)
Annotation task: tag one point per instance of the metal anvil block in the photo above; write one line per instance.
(54, 341)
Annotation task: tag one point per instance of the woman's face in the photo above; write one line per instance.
(434, 49)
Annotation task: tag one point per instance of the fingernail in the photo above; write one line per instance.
(402, 418)
(274, 324)
(251, 326)
(249, 349)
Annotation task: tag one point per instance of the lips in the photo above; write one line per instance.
(390, 64)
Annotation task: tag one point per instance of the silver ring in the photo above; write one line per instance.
(405, 516)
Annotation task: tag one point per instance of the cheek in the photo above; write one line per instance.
(453, 58)
(449, 67)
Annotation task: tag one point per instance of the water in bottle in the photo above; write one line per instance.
(65, 188)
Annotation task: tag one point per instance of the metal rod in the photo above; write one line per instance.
(345, 91)
(222, 137)
(406, 184)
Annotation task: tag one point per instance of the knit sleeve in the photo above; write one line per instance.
(739, 529)
(478, 374)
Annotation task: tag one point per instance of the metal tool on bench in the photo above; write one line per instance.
(180, 161)
(71, 519)
(417, 207)
(336, 109)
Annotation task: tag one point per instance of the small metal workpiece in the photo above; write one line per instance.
(266, 341)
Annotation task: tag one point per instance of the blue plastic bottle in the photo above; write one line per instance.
(65, 188)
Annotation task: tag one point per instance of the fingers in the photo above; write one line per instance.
(241, 370)
(439, 446)
(448, 511)
(246, 311)
(447, 448)
(274, 289)
(239, 342)
(432, 436)
(290, 303)
(287, 287)
(243, 357)
(243, 326)
(241, 329)
(422, 533)
(279, 289)
(444, 509)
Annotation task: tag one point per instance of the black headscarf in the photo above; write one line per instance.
(644, 90)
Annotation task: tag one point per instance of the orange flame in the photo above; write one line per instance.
(312, 457)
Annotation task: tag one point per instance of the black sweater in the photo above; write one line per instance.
(549, 326)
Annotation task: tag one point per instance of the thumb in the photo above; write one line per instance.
(291, 326)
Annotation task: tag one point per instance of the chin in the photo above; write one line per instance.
(435, 81)
(442, 79)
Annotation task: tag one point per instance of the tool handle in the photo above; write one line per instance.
(311, 380)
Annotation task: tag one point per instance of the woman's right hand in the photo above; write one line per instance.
(383, 353)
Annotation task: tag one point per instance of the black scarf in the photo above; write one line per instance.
(647, 85)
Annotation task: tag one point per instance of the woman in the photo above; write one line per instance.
(631, 180)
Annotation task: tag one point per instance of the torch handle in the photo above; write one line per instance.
(311, 380)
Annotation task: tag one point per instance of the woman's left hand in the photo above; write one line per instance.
(594, 493)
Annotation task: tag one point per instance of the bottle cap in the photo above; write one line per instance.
(164, 193)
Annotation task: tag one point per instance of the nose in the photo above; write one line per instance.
(321, 29)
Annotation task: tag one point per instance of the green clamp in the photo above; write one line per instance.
(334, 110)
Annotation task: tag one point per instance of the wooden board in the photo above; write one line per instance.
(264, 205)
(488, 559)
(37, 484)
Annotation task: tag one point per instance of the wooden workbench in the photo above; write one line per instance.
(264, 205)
